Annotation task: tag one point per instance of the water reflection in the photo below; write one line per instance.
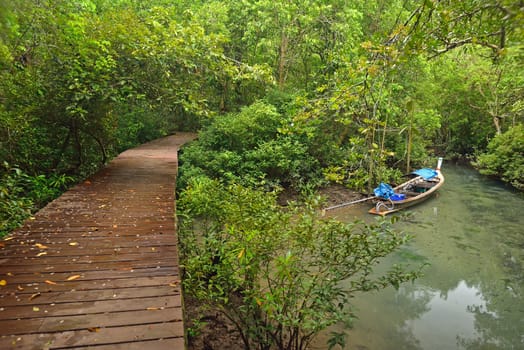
(449, 316)
(471, 296)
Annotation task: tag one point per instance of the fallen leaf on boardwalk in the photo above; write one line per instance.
(33, 296)
(94, 329)
(72, 278)
(41, 246)
(8, 238)
(174, 284)
(20, 288)
(154, 308)
(3, 282)
(40, 254)
(2, 245)
(49, 282)
(115, 226)
(10, 274)
(73, 243)
(36, 308)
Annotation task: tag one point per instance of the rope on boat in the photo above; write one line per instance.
(381, 204)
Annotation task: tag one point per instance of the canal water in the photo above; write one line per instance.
(472, 294)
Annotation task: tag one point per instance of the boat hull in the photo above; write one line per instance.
(412, 197)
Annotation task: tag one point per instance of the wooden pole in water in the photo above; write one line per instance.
(350, 203)
(439, 163)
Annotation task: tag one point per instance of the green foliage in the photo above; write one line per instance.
(277, 274)
(14, 206)
(247, 148)
(301, 40)
(504, 157)
(21, 194)
(241, 131)
(476, 99)
(446, 25)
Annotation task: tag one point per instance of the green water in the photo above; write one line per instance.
(472, 294)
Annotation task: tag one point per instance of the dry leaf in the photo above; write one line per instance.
(72, 278)
(10, 274)
(40, 254)
(174, 284)
(3, 282)
(2, 245)
(41, 246)
(153, 308)
(73, 243)
(49, 282)
(20, 288)
(8, 238)
(36, 308)
(94, 329)
(33, 296)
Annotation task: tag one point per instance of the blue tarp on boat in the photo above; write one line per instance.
(384, 190)
(426, 173)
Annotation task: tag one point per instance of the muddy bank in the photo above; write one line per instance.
(338, 194)
(332, 194)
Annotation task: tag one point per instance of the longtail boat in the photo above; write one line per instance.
(423, 183)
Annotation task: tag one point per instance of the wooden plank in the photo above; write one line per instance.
(70, 252)
(161, 344)
(152, 336)
(80, 244)
(48, 259)
(73, 267)
(39, 309)
(31, 288)
(33, 298)
(84, 322)
(124, 272)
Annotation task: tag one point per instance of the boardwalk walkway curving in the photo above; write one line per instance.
(98, 267)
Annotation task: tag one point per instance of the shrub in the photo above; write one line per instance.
(15, 207)
(247, 148)
(505, 157)
(22, 194)
(277, 274)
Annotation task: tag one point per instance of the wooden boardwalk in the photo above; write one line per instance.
(98, 267)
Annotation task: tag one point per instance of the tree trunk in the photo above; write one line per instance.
(282, 60)
(77, 144)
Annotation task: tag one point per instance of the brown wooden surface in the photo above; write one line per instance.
(98, 267)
